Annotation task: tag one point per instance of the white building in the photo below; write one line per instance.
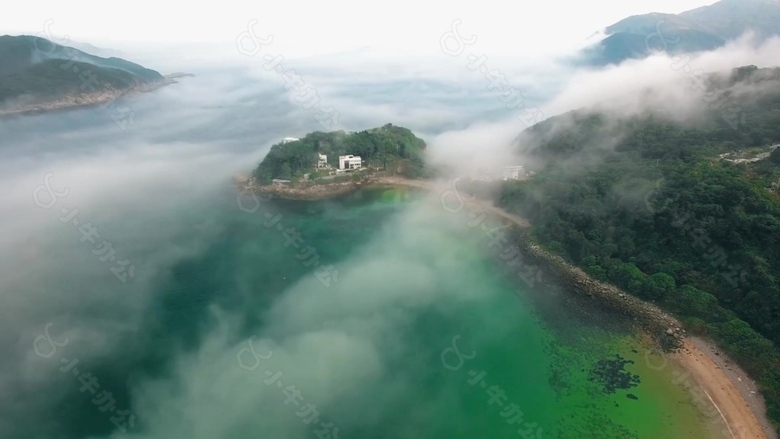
(350, 162)
(322, 162)
(289, 139)
(514, 172)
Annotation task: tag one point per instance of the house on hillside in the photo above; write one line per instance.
(322, 161)
(514, 173)
(350, 162)
(289, 139)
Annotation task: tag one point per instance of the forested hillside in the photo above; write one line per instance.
(650, 205)
(37, 68)
(386, 147)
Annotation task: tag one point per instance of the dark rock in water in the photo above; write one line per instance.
(634, 351)
(632, 396)
(611, 374)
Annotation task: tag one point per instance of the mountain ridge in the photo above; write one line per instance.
(701, 29)
(39, 75)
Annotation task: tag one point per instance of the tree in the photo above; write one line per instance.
(628, 276)
(286, 171)
(744, 341)
(385, 150)
(775, 156)
(659, 286)
(596, 272)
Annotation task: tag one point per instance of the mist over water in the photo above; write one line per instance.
(208, 276)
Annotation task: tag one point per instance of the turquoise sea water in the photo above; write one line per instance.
(421, 334)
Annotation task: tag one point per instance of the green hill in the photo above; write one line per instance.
(35, 67)
(388, 147)
(657, 208)
(700, 29)
(623, 45)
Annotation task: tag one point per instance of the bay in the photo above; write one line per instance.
(422, 333)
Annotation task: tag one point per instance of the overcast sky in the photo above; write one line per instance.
(314, 27)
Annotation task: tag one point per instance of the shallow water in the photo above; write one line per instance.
(422, 333)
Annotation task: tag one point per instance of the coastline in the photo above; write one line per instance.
(91, 99)
(318, 192)
(729, 389)
(727, 386)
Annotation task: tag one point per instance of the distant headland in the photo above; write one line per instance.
(38, 75)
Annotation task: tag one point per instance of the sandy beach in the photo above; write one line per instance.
(729, 388)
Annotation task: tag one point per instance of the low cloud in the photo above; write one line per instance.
(659, 81)
(161, 192)
(139, 188)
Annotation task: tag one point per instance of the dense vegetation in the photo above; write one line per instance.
(389, 148)
(47, 79)
(31, 66)
(650, 206)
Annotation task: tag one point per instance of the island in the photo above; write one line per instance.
(323, 165)
(38, 75)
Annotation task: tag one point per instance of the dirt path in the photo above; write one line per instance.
(441, 188)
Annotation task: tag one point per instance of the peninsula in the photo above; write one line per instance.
(38, 75)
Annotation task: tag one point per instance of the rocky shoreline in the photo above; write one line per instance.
(665, 329)
(312, 192)
(98, 97)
